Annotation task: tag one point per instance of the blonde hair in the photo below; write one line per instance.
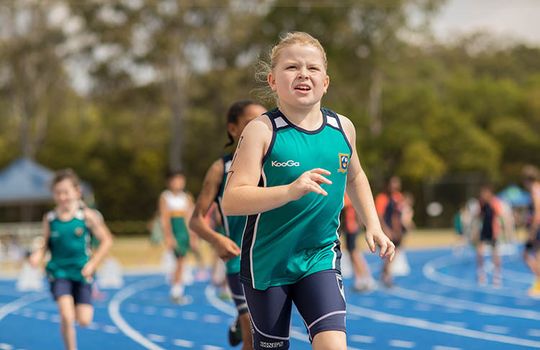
(265, 67)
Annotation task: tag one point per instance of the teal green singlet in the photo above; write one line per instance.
(233, 225)
(285, 244)
(69, 243)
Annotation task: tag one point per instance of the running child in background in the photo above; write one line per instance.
(175, 207)
(390, 206)
(289, 174)
(531, 252)
(350, 227)
(227, 245)
(489, 216)
(67, 234)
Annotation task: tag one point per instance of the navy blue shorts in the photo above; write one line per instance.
(319, 298)
(237, 292)
(81, 292)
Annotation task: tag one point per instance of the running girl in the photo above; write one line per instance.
(289, 175)
(67, 233)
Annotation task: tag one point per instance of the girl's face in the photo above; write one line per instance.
(177, 183)
(299, 77)
(250, 112)
(66, 193)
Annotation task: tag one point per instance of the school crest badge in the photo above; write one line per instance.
(79, 231)
(344, 159)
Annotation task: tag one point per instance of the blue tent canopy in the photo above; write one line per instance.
(26, 182)
(515, 196)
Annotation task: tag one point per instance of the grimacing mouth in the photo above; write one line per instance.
(302, 87)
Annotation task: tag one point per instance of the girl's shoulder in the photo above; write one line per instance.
(257, 131)
(260, 124)
(92, 215)
(50, 216)
(165, 194)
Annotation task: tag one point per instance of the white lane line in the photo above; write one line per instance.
(361, 339)
(183, 343)
(438, 327)
(4, 346)
(210, 293)
(456, 324)
(443, 347)
(110, 329)
(157, 338)
(169, 313)
(211, 319)
(533, 332)
(212, 347)
(188, 315)
(42, 316)
(430, 272)
(149, 310)
(20, 303)
(402, 344)
(455, 303)
(114, 311)
(496, 329)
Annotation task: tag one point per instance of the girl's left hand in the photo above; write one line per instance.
(376, 237)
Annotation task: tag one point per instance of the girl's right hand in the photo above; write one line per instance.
(310, 181)
(226, 248)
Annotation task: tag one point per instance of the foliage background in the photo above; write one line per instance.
(122, 90)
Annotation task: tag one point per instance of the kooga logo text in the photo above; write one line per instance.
(287, 163)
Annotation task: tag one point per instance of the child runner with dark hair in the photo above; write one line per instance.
(67, 234)
(175, 207)
(289, 174)
(227, 244)
(490, 219)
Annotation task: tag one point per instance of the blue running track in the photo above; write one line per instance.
(437, 307)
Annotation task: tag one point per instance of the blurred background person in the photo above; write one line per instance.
(389, 205)
(175, 207)
(227, 242)
(72, 264)
(490, 219)
(531, 252)
(350, 228)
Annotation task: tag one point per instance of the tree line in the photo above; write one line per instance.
(123, 90)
